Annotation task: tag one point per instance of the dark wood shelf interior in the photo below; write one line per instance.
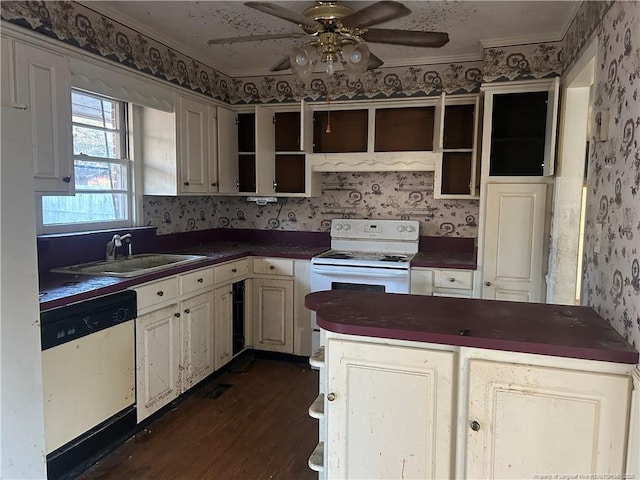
(518, 134)
(456, 173)
(246, 132)
(287, 131)
(290, 173)
(458, 126)
(348, 131)
(247, 173)
(404, 129)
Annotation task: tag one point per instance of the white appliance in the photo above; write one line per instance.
(370, 255)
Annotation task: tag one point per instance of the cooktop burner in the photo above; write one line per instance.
(356, 257)
(338, 255)
(394, 258)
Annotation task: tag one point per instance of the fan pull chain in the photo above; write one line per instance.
(328, 129)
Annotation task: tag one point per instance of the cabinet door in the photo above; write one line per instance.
(227, 151)
(392, 411)
(213, 149)
(157, 360)
(421, 282)
(197, 339)
(7, 74)
(514, 238)
(193, 130)
(273, 315)
(546, 422)
(223, 301)
(265, 151)
(43, 85)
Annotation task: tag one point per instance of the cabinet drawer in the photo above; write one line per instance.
(231, 270)
(273, 266)
(192, 281)
(157, 292)
(453, 279)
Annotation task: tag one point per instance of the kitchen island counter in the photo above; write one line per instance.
(557, 330)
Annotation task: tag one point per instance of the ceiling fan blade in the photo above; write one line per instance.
(284, 13)
(374, 62)
(406, 37)
(374, 14)
(283, 64)
(254, 38)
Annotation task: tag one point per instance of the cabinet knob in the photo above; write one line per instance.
(187, 311)
(238, 184)
(177, 314)
(66, 179)
(214, 184)
(234, 270)
(331, 397)
(275, 184)
(475, 426)
(452, 280)
(160, 293)
(487, 284)
(271, 267)
(201, 280)
(186, 184)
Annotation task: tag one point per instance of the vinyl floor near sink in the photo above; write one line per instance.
(246, 425)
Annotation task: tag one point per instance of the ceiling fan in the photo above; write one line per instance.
(334, 33)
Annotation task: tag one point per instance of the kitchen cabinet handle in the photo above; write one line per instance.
(275, 184)
(66, 179)
(271, 267)
(487, 284)
(201, 280)
(160, 293)
(475, 426)
(234, 270)
(187, 311)
(452, 279)
(214, 184)
(186, 184)
(331, 397)
(177, 314)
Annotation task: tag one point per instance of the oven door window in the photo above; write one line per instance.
(357, 286)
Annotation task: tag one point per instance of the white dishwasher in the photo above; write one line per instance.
(88, 370)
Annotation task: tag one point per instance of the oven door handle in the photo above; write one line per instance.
(361, 272)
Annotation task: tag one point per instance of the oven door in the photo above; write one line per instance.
(333, 277)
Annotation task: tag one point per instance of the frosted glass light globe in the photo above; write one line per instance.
(301, 59)
(356, 56)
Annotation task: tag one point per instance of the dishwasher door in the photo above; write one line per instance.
(86, 381)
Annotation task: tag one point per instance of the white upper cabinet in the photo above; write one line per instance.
(42, 85)
(179, 150)
(517, 144)
(8, 74)
(197, 136)
(457, 124)
(227, 150)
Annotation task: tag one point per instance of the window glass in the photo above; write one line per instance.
(101, 168)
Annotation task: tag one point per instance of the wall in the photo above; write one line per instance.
(378, 195)
(611, 269)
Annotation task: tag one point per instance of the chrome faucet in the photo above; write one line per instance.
(116, 242)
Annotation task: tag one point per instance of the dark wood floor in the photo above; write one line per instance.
(258, 428)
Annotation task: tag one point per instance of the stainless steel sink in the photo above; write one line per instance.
(131, 266)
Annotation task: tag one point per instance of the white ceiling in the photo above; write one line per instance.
(187, 25)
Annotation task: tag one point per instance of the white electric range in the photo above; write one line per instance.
(370, 255)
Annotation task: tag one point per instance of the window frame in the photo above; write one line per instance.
(126, 159)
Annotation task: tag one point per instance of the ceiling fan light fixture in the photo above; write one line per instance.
(302, 61)
(355, 59)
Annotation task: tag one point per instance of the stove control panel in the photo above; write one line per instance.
(375, 229)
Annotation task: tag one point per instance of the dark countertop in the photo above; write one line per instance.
(59, 289)
(558, 330)
(434, 259)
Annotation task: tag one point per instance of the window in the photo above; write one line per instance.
(102, 169)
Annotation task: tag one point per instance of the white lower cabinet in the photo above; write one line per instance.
(389, 411)
(197, 339)
(442, 282)
(273, 315)
(529, 421)
(157, 359)
(223, 301)
(397, 409)
(174, 338)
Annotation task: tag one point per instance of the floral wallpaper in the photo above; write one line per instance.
(79, 25)
(611, 263)
(384, 195)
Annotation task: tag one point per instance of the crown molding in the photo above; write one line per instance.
(522, 40)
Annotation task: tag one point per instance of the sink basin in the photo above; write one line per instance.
(131, 266)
